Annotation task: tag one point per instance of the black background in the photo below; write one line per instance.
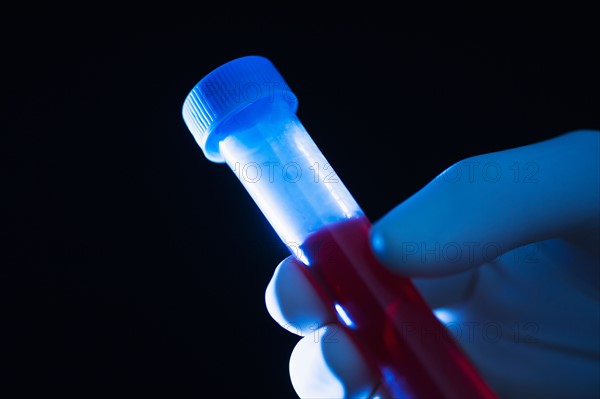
(139, 267)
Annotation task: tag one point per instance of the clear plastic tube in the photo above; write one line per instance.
(266, 146)
(286, 174)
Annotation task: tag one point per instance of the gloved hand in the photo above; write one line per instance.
(505, 247)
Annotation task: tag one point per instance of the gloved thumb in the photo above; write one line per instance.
(486, 205)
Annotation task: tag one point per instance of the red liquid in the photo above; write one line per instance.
(390, 323)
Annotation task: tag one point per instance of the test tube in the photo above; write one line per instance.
(244, 114)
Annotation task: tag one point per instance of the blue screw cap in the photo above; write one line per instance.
(226, 91)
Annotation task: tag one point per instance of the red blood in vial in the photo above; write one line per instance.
(387, 318)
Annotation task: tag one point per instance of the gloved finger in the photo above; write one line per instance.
(292, 300)
(326, 364)
(447, 290)
(487, 205)
(493, 345)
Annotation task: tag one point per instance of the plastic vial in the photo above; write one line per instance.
(243, 114)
